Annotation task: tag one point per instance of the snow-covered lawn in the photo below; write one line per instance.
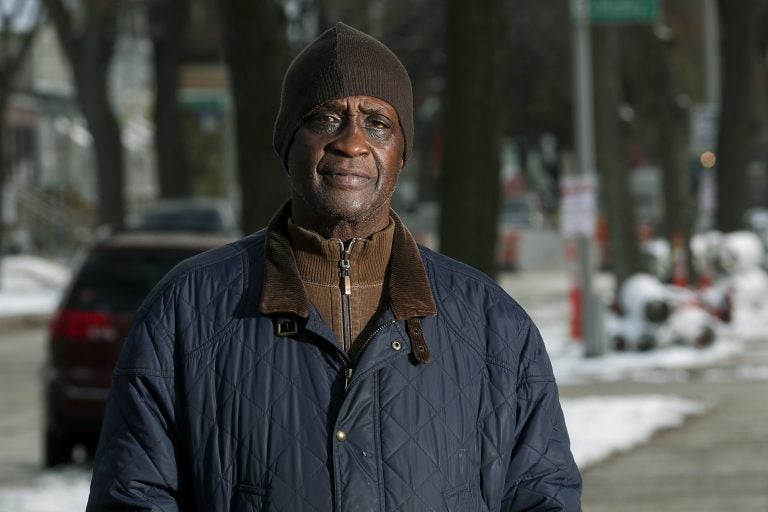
(55, 490)
(601, 426)
(30, 286)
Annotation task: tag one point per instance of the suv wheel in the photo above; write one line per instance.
(58, 448)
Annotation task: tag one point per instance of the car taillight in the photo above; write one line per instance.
(80, 325)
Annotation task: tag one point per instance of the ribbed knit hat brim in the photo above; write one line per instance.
(340, 62)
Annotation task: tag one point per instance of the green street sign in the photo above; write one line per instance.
(627, 11)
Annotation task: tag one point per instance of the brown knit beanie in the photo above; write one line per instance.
(341, 62)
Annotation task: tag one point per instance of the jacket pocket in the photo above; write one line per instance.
(464, 498)
(249, 498)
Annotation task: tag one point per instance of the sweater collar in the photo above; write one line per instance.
(408, 285)
(317, 258)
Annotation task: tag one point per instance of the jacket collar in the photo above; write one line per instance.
(408, 285)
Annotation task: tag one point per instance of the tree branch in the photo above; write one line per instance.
(62, 18)
(13, 63)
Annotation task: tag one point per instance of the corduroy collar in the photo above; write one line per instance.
(283, 292)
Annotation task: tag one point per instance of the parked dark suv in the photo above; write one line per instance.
(93, 319)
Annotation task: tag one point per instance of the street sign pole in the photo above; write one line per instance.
(585, 149)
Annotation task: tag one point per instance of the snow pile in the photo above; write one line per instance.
(65, 489)
(602, 426)
(32, 273)
(668, 364)
(30, 286)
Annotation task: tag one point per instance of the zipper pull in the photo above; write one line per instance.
(347, 377)
(346, 284)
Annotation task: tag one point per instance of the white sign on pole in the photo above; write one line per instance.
(578, 206)
(704, 118)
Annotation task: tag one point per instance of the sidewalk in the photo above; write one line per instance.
(716, 462)
(16, 322)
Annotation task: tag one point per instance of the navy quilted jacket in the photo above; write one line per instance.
(216, 406)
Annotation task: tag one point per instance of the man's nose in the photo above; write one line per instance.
(350, 140)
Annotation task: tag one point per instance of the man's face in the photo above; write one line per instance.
(345, 160)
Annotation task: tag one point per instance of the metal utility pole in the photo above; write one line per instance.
(584, 133)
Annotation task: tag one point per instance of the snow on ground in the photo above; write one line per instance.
(65, 489)
(30, 286)
(617, 424)
(661, 365)
(599, 426)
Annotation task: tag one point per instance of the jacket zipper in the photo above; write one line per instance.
(349, 370)
(345, 286)
(346, 365)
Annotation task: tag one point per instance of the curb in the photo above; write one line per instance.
(18, 322)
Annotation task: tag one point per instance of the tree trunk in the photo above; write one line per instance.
(257, 53)
(612, 157)
(93, 95)
(739, 44)
(14, 48)
(89, 50)
(3, 176)
(168, 20)
(473, 109)
(672, 122)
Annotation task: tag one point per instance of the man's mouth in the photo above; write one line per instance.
(344, 178)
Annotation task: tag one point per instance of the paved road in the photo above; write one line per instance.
(716, 462)
(21, 357)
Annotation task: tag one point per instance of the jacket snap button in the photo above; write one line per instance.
(396, 345)
(341, 435)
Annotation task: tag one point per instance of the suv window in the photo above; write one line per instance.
(118, 279)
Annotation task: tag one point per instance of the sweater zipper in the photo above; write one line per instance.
(345, 286)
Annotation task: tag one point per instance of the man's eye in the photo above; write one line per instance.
(379, 123)
(327, 118)
(324, 122)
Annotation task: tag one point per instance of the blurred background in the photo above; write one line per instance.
(606, 161)
(111, 105)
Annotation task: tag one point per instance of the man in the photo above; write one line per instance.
(328, 362)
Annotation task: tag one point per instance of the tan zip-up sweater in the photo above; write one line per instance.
(317, 260)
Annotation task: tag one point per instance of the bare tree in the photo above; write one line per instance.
(612, 156)
(672, 117)
(739, 33)
(87, 34)
(257, 53)
(168, 21)
(14, 47)
(474, 107)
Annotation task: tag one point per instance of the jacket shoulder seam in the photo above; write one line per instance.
(229, 327)
(143, 372)
(496, 292)
(240, 250)
(495, 361)
(215, 338)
